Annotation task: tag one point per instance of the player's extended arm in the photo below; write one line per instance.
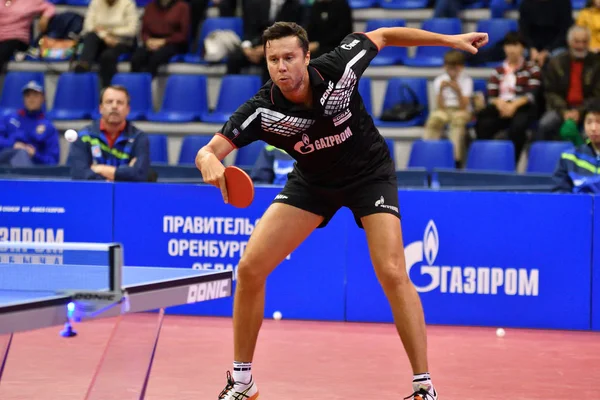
(208, 161)
(407, 37)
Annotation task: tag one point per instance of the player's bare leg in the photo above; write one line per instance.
(386, 247)
(279, 232)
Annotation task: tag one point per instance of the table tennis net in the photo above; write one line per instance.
(57, 270)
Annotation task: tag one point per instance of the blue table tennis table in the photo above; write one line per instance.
(36, 295)
(145, 288)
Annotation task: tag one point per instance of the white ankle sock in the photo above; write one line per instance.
(423, 381)
(242, 372)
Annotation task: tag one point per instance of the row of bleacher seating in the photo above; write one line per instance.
(186, 96)
(483, 155)
(416, 178)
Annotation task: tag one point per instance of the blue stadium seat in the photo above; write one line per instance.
(159, 148)
(139, 86)
(185, 99)
(433, 56)
(491, 155)
(388, 55)
(77, 2)
(142, 3)
(190, 146)
(403, 4)
(211, 24)
(247, 155)
(364, 88)
(12, 98)
(544, 156)
(76, 96)
(358, 4)
(431, 154)
(496, 28)
(234, 91)
(394, 94)
(578, 4)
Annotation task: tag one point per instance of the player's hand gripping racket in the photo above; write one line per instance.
(240, 189)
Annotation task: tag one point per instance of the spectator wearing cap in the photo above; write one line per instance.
(31, 138)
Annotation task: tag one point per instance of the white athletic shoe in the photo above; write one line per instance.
(238, 390)
(423, 392)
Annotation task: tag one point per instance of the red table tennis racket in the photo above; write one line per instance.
(240, 189)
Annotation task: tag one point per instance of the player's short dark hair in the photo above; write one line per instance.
(285, 29)
(454, 58)
(120, 88)
(513, 38)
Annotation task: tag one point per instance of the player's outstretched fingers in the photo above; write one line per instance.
(223, 187)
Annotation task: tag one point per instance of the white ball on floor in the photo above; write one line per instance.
(500, 332)
(71, 135)
(277, 315)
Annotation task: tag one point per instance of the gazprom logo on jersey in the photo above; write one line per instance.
(432, 275)
(304, 146)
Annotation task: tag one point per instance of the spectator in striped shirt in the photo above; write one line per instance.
(512, 90)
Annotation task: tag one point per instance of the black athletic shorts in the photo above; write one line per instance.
(363, 197)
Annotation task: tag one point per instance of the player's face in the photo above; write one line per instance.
(287, 62)
(114, 107)
(592, 127)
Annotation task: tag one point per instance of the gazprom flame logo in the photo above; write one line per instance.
(463, 279)
(417, 252)
(431, 242)
(304, 146)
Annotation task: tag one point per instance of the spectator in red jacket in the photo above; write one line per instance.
(512, 90)
(165, 33)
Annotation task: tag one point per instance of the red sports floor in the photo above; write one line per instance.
(301, 360)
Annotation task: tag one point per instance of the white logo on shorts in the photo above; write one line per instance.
(281, 197)
(381, 203)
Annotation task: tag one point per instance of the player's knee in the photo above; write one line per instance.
(250, 273)
(392, 274)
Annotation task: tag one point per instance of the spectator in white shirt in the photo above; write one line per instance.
(109, 30)
(453, 90)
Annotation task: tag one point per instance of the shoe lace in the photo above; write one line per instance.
(228, 387)
(422, 393)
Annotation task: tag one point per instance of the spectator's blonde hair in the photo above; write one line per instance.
(454, 58)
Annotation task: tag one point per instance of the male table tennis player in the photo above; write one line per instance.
(312, 110)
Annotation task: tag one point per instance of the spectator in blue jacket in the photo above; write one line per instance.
(112, 148)
(272, 166)
(30, 138)
(578, 170)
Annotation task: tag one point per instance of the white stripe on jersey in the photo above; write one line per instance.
(339, 99)
(278, 123)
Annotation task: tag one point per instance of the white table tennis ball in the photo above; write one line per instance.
(500, 332)
(277, 315)
(71, 135)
